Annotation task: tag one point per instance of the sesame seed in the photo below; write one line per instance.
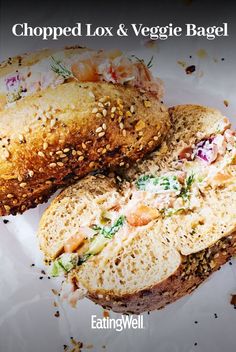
(99, 150)
(81, 158)
(52, 165)
(103, 99)
(21, 137)
(108, 146)
(99, 129)
(100, 105)
(104, 126)
(9, 195)
(124, 133)
(113, 109)
(91, 94)
(112, 116)
(128, 114)
(95, 110)
(41, 154)
(122, 163)
(63, 156)
(101, 134)
(84, 146)
(104, 112)
(140, 125)
(155, 138)
(66, 150)
(79, 152)
(45, 145)
(20, 178)
(121, 125)
(59, 163)
(7, 208)
(108, 103)
(73, 152)
(6, 154)
(91, 164)
(147, 104)
(132, 108)
(99, 115)
(120, 113)
(23, 184)
(52, 122)
(31, 173)
(104, 151)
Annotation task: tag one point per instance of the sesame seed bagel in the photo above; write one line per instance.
(63, 133)
(153, 238)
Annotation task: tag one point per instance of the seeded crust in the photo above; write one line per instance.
(193, 270)
(59, 135)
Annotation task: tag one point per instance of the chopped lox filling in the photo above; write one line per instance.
(210, 149)
(85, 67)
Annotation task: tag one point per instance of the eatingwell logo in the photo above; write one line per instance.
(118, 324)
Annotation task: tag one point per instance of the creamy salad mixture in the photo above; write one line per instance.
(90, 66)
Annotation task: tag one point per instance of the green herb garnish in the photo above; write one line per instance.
(170, 211)
(158, 184)
(60, 69)
(185, 192)
(142, 181)
(149, 64)
(109, 232)
(169, 183)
